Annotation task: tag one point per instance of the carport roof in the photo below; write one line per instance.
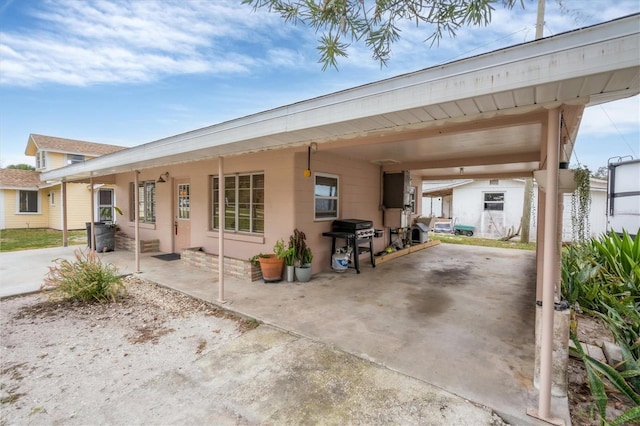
(485, 113)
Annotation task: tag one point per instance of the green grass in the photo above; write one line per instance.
(27, 239)
(484, 242)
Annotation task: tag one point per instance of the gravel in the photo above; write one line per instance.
(60, 360)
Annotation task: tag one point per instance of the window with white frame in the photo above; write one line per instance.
(52, 198)
(28, 201)
(105, 204)
(412, 199)
(41, 161)
(325, 196)
(146, 201)
(494, 201)
(74, 158)
(244, 203)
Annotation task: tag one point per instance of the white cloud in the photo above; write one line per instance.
(81, 43)
(612, 118)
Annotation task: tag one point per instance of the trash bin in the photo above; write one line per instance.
(105, 236)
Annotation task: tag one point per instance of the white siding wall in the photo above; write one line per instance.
(2, 209)
(597, 215)
(468, 207)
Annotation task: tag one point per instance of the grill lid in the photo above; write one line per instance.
(351, 224)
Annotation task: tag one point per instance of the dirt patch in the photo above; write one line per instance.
(60, 359)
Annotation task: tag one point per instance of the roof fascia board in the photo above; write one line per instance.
(598, 49)
(22, 188)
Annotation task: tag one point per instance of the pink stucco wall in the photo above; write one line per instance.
(288, 201)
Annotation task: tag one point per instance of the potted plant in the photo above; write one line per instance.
(271, 264)
(298, 241)
(106, 214)
(303, 271)
(289, 264)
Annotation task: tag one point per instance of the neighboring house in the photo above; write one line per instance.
(494, 207)
(27, 202)
(22, 200)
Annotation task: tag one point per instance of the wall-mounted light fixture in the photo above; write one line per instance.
(313, 147)
(461, 171)
(163, 177)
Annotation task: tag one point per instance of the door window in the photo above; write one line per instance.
(184, 201)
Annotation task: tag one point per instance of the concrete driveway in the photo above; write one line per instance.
(458, 317)
(23, 271)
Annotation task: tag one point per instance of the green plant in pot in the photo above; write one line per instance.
(271, 264)
(298, 241)
(106, 213)
(289, 264)
(303, 271)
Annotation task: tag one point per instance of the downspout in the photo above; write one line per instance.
(92, 243)
(221, 210)
(549, 270)
(136, 220)
(65, 231)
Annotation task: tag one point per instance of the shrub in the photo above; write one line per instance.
(85, 279)
(602, 277)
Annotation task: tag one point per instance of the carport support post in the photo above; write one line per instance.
(93, 215)
(136, 219)
(221, 212)
(549, 269)
(65, 231)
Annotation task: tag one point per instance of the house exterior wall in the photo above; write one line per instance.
(278, 169)
(597, 215)
(432, 206)
(15, 220)
(468, 207)
(289, 201)
(78, 206)
(49, 216)
(55, 209)
(359, 198)
(2, 209)
(55, 160)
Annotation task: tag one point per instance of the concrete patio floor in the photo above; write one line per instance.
(458, 317)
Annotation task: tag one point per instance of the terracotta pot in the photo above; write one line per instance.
(271, 268)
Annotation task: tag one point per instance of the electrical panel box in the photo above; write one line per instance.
(396, 190)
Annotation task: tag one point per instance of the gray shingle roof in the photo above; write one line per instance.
(51, 143)
(16, 178)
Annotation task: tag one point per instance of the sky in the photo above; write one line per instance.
(131, 72)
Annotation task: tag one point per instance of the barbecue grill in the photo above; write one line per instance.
(358, 235)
